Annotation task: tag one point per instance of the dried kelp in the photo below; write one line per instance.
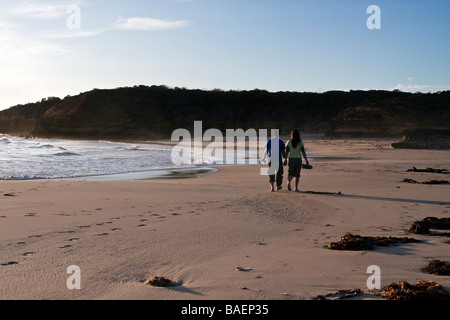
(357, 242)
(340, 295)
(429, 170)
(407, 180)
(423, 226)
(423, 290)
(160, 282)
(437, 267)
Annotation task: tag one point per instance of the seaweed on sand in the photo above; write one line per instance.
(160, 282)
(437, 267)
(423, 290)
(340, 295)
(356, 242)
(429, 170)
(423, 226)
(407, 180)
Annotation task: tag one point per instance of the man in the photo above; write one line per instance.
(276, 151)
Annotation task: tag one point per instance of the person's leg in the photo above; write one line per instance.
(297, 174)
(290, 175)
(280, 176)
(272, 188)
(271, 178)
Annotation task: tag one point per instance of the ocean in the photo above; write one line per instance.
(31, 159)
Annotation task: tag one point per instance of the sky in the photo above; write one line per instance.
(59, 48)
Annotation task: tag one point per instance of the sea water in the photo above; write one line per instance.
(28, 159)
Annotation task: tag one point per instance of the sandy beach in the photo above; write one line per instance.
(224, 235)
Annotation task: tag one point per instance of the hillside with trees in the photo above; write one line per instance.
(142, 112)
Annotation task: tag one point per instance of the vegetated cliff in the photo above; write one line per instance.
(154, 112)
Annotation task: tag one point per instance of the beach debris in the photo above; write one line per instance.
(436, 182)
(429, 170)
(423, 226)
(321, 192)
(340, 294)
(9, 195)
(160, 282)
(437, 267)
(407, 180)
(356, 242)
(423, 290)
(243, 269)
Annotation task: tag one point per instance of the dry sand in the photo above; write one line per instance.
(197, 231)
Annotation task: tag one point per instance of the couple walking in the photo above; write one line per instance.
(293, 151)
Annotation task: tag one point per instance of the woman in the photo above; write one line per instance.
(294, 150)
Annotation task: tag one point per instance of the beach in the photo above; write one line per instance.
(224, 235)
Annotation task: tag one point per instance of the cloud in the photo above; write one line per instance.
(149, 24)
(31, 9)
(419, 88)
(73, 34)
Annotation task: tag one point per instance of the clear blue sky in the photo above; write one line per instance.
(276, 45)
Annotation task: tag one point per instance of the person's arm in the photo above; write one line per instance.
(266, 152)
(285, 153)
(304, 155)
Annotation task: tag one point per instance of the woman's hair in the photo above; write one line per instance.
(295, 137)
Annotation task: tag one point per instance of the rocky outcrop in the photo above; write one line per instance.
(425, 139)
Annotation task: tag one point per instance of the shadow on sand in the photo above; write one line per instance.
(352, 196)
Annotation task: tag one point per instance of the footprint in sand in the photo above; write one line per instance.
(73, 239)
(31, 214)
(26, 254)
(9, 263)
(65, 246)
(35, 236)
(141, 225)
